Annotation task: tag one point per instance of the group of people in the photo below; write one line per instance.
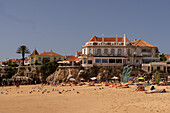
(141, 87)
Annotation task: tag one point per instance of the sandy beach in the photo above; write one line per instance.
(90, 99)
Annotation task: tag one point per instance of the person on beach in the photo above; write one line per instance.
(17, 84)
(156, 91)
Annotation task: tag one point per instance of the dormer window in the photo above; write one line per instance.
(112, 43)
(120, 43)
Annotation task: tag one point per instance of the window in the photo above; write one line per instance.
(84, 60)
(48, 58)
(105, 51)
(111, 60)
(112, 52)
(98, 60)
(89, 51)
(168, 69)
(148, 69)
(128, 52)
(146, 50)
(98, 51)
(32, 58)
(118, 60)
(104, 60)
(164, 69)
(39, 59)
(54, 59)
(119, 52)
(152, 69)
(59, 58)
(89, 61)
(158, 68)
(84, 51)
(137, 61)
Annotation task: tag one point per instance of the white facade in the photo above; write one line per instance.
(116, 52)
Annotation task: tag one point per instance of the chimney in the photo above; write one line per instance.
(124, 39)
(51, 53)
(116, 39)
(102, 39)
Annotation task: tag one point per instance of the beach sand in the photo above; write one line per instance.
(107, 100)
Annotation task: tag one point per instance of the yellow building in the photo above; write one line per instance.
(36, 58)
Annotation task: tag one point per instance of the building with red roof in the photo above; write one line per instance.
(70, 61)
(36, 58)
(117, 52)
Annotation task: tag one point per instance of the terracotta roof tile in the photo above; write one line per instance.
(79, 52)
(71, 58)
(141, 43)
(107, 39)
(34, 53)
(49, 54)
(167, 56)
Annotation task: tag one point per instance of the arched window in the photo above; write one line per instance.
(105, 51)
(112, 51)
(119, 52)
(98, 51)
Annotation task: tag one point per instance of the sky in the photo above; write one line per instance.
(64, 26)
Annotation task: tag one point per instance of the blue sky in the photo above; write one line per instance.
(65, 25)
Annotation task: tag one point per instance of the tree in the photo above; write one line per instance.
(11, 64)
(48, 68)
(44, 61)
(23, 50)
(162, 58)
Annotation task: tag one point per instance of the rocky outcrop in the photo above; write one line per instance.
(31, 72)
(64, 74)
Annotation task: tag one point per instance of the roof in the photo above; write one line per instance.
(71, 58)
(79, 52)
(13, 60)
(107, 39)
(167, 56)
(141, 43)
(49, 54)
(35, 52)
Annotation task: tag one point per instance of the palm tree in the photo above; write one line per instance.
(23, 50)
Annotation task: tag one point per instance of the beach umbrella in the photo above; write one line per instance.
(93, 78)
(82, 79)
(114, 77)
(141, 78)
(130, 77)
(72, 79)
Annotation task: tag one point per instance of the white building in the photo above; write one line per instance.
(117, 52)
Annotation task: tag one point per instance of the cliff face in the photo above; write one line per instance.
(66, 73)
(32, 72)
(63, 74)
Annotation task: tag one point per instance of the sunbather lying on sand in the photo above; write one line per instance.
(156, 91)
